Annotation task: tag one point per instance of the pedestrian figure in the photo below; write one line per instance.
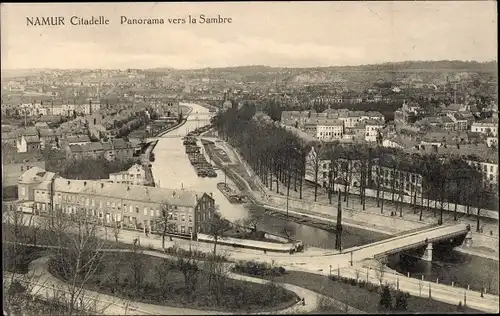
(303, 301)
(265, 251)
(147, 232)
(135, 241)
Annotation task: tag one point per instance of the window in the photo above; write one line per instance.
(137, 209)
(113, 205)
(190, 229)
(146, 211)
(157, 212)
(152, 212)
(190, 218)
(183, 217)
(183, 229)
(176, 216)
(100, 204)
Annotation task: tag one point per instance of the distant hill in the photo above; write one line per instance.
(11, 73)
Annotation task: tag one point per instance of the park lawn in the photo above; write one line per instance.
(361, 298)
(236, 296)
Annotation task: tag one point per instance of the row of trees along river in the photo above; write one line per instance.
(277, 153)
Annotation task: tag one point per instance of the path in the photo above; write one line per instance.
(47, 284)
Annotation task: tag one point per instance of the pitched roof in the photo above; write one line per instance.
(129, 192)
(32, 139)
(36, 175)
(78, 139)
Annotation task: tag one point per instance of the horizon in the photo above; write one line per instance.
(266, 66)
(282, 35)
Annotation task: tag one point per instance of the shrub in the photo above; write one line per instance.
(401, 301)
(386, 298)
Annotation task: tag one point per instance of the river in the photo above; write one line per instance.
(172, 169)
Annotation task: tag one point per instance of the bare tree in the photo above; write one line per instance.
(79, 256)
(253, 220)
(188, 265)
(162, 272)
(288, 230)
(217, 226)
(116, 230)
(137, 267)
(163, 223)
(221, 270)
(380, 270)
(357, 274)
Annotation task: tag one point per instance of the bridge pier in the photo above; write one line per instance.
(468, 239)
(427, 256)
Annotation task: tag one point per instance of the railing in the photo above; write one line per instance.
(419, 243)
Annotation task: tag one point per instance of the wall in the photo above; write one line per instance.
(318, 207)
(251, 244)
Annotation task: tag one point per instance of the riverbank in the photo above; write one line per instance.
(322, 216)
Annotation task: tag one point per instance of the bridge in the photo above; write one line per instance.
(421, 241)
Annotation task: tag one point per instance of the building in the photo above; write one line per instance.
(372, 130)
(135, 175)
(489, 170)
(349, 171)
(488, 127)
(28, 144)
(129, 206)
(329, 129)
(13, 166)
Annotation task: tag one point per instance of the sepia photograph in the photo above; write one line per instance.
(257, 157)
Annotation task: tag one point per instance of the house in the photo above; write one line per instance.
(28, 144)
(49, 137)
(372, 130)
(77, 140)
(329, 129)
(134, 207)
(135, 175)
(13, 166)
(488, 126)
(122, 150)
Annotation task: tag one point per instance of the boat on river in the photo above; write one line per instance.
(231, 194)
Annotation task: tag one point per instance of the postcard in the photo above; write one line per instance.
(300, 157)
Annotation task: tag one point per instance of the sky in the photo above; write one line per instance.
(280, 34)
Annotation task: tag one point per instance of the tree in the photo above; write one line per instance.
(380, 270)
(116, 230)
(217, 226)
(401, 301)
(188, 265)
(79, 256)
(253, 220)
(162, 272)
(385, 298)
(288, 230)
(163, 223)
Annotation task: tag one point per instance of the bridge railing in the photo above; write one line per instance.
(418, 244)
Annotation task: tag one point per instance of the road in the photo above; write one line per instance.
(49, 286)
